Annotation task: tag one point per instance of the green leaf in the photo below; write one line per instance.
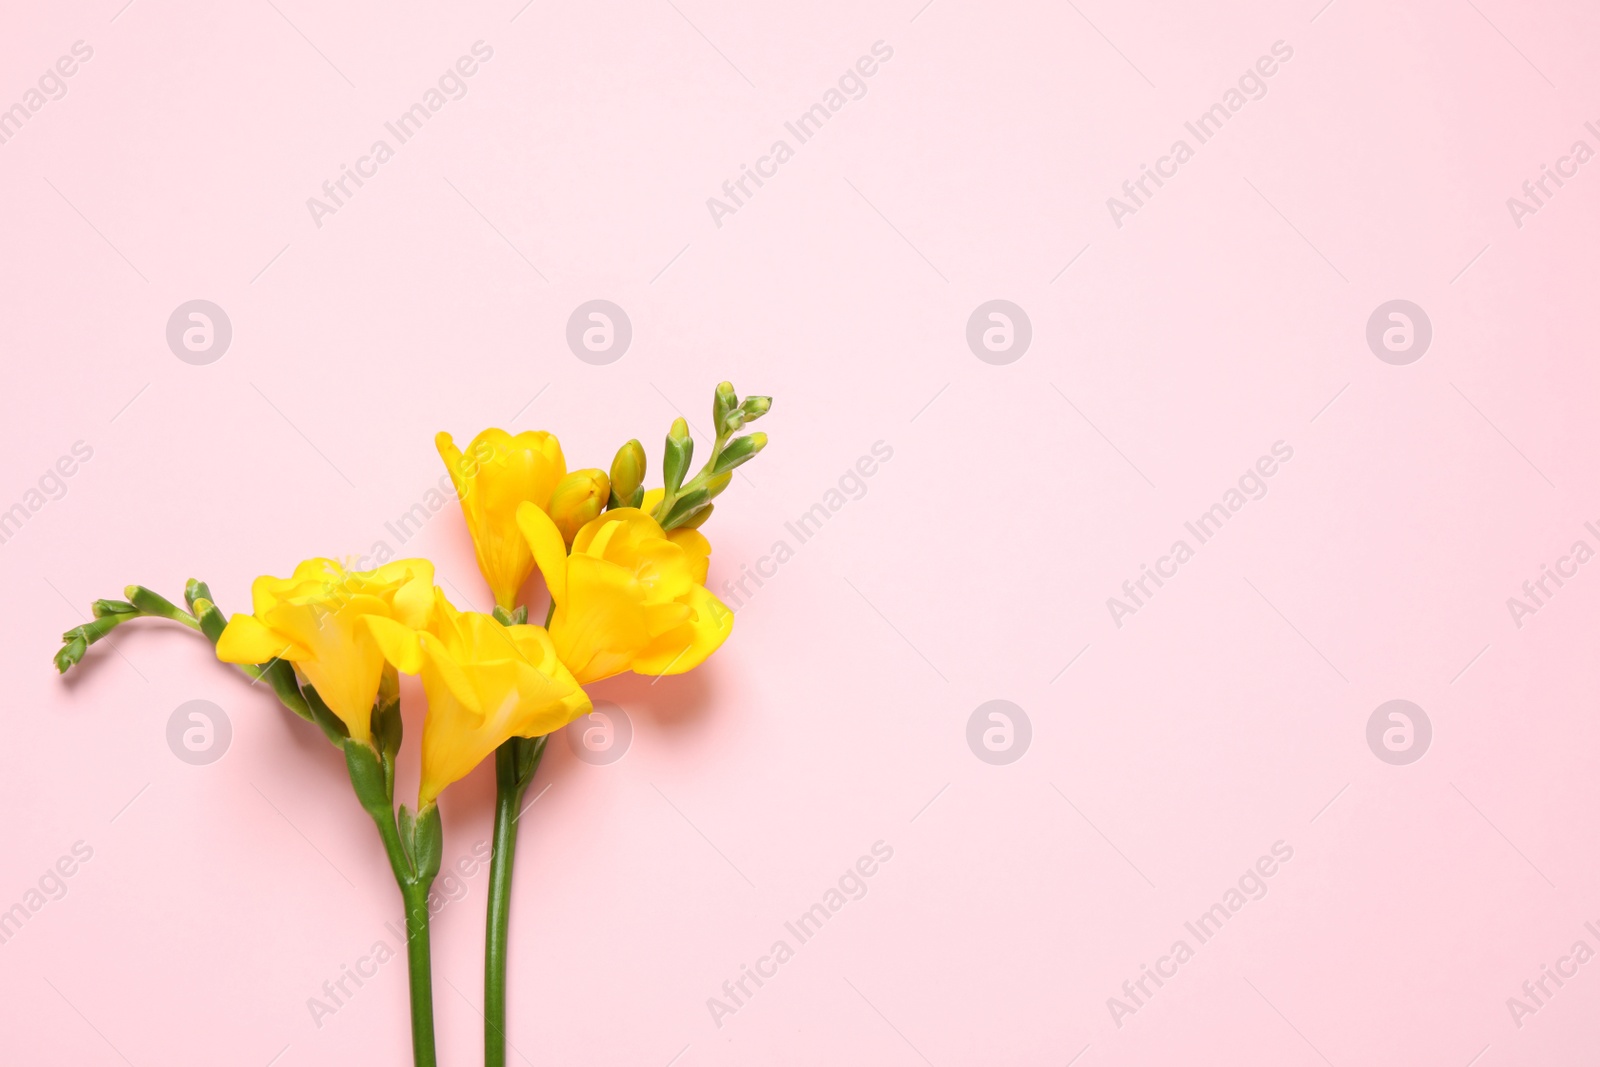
(388, 728)
(366, 776)
(408, 826)
(321, 714)
(427, 844)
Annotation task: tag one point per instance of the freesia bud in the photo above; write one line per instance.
(102, 608)
(194, 589)
(680, 450)
(696, 520)
(579, 497)
(685, 506)
(627, 475)
(149, 602)
(725, 415)
(740, 451)
(755, 406)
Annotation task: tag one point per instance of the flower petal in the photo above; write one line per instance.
(688, 645)
(247, 640)
(398, 643)
(549, 548)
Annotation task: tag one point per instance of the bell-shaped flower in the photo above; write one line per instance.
(485, 683)
(495, 475)
(317, 619)
(629, 597)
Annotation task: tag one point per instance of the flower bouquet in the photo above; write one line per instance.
(625, 568)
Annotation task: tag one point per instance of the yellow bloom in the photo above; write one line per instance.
(317, 619)
(580, 497)
(498, 473)
(630, 597)
(485, 683)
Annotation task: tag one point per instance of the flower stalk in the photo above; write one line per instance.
(515, 764)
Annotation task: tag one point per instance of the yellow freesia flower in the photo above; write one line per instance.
(317, 620)
(485, 684)
(498, 473)
(630, 597)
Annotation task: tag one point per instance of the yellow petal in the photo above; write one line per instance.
(413, 601)
(548, 547)
(452, 459)
(602, 626)
(697, 548)
(443, 668)
(475, 704)
(687, 646)
(246, 640)
(398, 643)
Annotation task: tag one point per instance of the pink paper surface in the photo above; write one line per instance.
(1178, 743)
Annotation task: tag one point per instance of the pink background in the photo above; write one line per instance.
(1229, 713)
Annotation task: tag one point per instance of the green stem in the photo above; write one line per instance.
(515, 763)
(415, 863)
(419, 959)
(497, 927)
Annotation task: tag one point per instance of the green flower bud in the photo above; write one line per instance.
(685, 506)
(723, 403)
(194, 590)
(680, 450)
(212, 622)
(740, 451)
(71, 653)
(755, 406)
(627, 474)
(578, 498)
(102, 608)
(151, 603)
(697, 520)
